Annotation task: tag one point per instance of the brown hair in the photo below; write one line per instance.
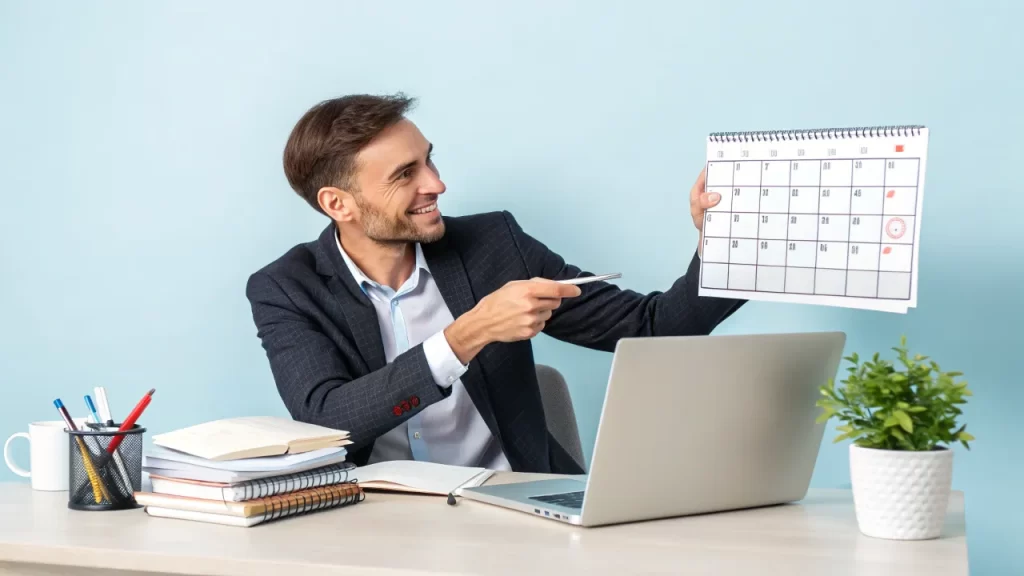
(322, 147)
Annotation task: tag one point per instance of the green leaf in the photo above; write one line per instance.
(904, 420)
(917, 409)
(964, 436)
(902, 439)
(891, 421)
(853, 434)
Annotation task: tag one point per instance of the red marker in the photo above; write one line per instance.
(130, 420)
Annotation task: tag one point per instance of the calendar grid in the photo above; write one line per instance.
(849, 244)
(881, 233)
(753, 277)
(757, 242)
(862, 223)
(789, 205)
(728, 259)
(817, 233)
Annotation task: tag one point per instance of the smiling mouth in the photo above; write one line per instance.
(425, 209)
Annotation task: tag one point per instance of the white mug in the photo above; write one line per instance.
(48, 454)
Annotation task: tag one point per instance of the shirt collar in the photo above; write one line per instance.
(363, 280)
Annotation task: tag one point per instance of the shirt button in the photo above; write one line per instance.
(416, 435)
(451, 379)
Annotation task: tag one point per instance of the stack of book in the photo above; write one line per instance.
(247, 471)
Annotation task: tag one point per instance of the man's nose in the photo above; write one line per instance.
(432, 184)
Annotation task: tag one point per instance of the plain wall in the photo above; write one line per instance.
(141, 180)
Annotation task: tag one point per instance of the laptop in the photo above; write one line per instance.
(692, 425)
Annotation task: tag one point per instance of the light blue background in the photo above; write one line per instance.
(141, 182)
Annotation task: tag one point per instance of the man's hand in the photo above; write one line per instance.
(517, 311)
(699, 202)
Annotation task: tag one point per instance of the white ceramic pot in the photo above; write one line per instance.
(901, 495)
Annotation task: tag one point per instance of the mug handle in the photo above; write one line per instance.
(7, 455)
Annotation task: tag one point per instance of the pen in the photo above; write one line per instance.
(98, 418)
(92, 409)
(99, 488)
(103, 405)
(589, 279)
(130, 420)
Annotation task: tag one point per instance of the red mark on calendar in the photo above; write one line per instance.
(890, 194)
(895, 228)
(887, 250)
(899, 147)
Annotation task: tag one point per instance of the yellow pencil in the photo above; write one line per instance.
(98, 493)
(99, 488)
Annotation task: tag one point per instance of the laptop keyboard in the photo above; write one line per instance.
(567, 499)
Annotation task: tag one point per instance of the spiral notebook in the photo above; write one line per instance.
(251, 512)
(250, 489)
(824, 216)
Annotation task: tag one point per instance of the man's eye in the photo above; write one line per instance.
(406, 173)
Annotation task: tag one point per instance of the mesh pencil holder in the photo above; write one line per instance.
(103, 480)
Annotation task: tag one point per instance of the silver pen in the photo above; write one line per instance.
(589, 279)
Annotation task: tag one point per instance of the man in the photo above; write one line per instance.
(412, 330)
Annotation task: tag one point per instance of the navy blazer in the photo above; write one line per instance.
(322, 338)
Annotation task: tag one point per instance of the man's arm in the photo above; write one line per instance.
(604, 313)
(316, 381)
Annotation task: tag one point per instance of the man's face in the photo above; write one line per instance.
(398, 187)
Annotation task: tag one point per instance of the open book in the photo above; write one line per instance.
(419, 477)
(250, 437)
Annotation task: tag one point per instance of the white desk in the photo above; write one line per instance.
(407, 534)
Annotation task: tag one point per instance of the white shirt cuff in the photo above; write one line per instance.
(444, 364)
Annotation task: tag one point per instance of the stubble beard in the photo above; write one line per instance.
(387, 231)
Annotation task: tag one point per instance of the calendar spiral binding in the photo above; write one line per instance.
(818, 133)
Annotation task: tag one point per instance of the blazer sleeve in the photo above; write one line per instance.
(318, 382)
(605, 313)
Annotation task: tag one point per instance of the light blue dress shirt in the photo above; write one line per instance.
(450, 431)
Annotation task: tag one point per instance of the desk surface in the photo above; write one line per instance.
(410, 534)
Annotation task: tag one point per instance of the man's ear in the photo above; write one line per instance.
(337, 203)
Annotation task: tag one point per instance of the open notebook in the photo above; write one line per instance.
(251, 437)
(419, 477)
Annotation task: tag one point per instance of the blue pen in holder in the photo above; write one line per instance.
(98, 479)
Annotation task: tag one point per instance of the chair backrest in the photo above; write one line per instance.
(559, 413)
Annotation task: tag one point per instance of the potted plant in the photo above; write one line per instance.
(902, 418)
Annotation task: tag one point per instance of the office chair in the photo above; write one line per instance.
(558, 411)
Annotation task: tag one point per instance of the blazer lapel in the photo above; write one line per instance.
(452, 280)
(355, 305)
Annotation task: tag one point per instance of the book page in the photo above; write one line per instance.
(415, 476)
